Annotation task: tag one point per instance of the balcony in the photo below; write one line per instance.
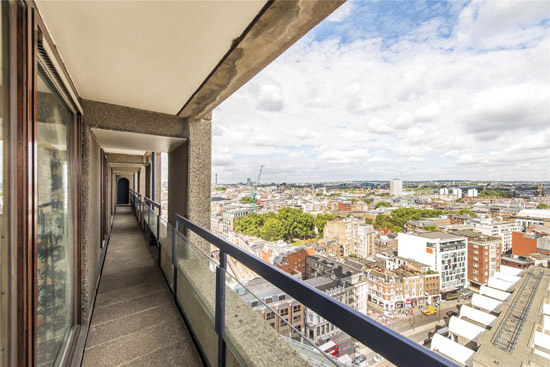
(217, 309)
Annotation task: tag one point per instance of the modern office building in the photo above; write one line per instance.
(396, 187)
(445, 253)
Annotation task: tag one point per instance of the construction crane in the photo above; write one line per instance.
(254, 189)
(541, 184)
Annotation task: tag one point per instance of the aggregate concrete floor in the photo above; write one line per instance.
(135, 320)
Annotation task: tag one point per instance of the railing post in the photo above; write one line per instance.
(158, 231)
(175, 280)
(220, 307)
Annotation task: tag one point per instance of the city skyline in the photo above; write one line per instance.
(415, 90)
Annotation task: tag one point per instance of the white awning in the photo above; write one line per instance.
(507, 277)
(494, 293)
(542, 340)
(500, 284)
(453, 350)
(486, 303)
(477, 315)
(512, 271)
(546, 308)
(465, 329)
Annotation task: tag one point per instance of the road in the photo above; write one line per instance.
(417, 327)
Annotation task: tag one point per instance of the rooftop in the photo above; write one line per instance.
(439, 236)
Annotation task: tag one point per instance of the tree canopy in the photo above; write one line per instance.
(287, 224)
(382, 204)
(399, 217)
(543, 206)
(246, 199)
(495, 194)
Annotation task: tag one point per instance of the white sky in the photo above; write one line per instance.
(416, 90)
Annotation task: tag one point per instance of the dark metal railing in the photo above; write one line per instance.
(393, 346)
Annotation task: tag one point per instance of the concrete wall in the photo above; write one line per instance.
(91, 216)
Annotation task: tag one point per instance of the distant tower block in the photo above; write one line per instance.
(216, 182)
(396, 187)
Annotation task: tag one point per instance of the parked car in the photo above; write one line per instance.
(451, 313)
(429, 311)
(388, 314)
(378, 358)
(360, 358)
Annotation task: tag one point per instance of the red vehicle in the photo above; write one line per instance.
(330, 348)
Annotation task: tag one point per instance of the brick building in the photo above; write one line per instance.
(286, 257)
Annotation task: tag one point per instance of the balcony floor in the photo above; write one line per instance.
(135, 320)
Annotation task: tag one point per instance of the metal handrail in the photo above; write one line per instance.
(395, 347)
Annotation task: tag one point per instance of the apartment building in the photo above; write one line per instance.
(536, 239)
(318, 328)
(396, 187)
(229, 218)
(400, 287)
(356, 236)
(445, 253)
(484, 256)
(286, 257)
(494, 228)
(283, 310)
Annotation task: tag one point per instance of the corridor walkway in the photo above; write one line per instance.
(135, 321)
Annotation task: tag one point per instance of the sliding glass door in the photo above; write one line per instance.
(55, 265)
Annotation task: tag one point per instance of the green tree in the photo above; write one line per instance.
(495, 194)
(251, 224)
(272, 230)
(430, 228)
(246, 199)
(543, 206)
(321, 220)
(369, 221)
(467, 211)
(382, 204)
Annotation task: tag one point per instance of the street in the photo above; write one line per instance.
(417, 327)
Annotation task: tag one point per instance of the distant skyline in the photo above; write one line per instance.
(419, 90)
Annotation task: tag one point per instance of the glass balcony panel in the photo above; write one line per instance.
(165, 239)
(197, 271)
(257, 331)
(153, 221)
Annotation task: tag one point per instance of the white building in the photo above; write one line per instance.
(443, 252)
(496, 229)
(472, 193)
(396, 187)
(457, 191)
(443, 191)
(532, 217)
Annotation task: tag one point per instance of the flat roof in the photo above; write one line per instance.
(509, 340)
(439, 236)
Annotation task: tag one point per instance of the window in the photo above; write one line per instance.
(284, 312)
(55, 226)
(296, 308)
(269, 316)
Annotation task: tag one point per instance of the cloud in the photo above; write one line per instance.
(453, 94)
(343, 12)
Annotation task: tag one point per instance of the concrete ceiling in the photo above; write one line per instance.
(151, 55)
(133, 143)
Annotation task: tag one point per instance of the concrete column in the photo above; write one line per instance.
(148, 176)
(158, 177)
(189, 178)
(200, 177)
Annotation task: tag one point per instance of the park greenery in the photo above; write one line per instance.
(220, 188)
(246, 199)
(384, 204)
(287, 224)
(467, 211)
(369, 221)
(399, 217)
(495, 194)
(543, 206)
